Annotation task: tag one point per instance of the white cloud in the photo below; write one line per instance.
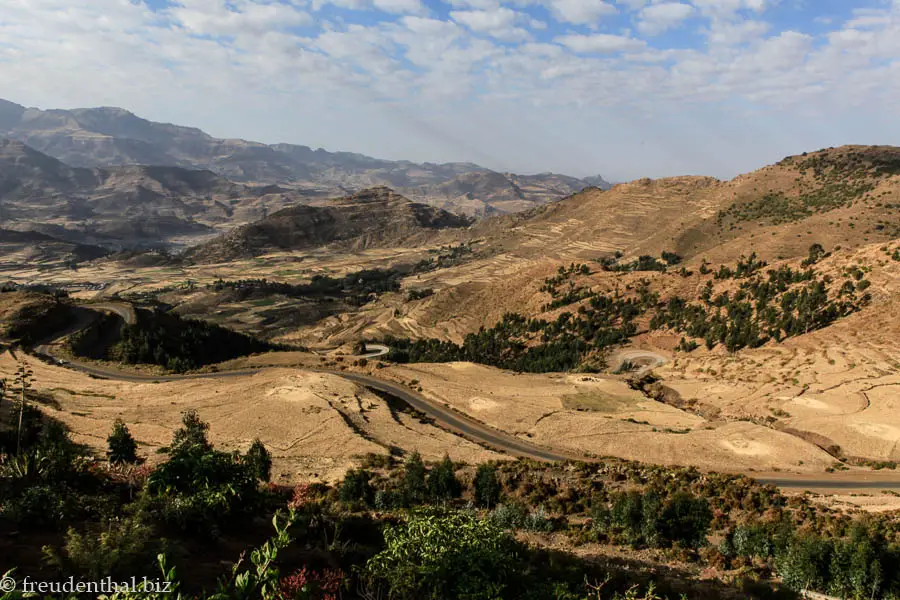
(213, 17)
(600, 43)
(581, 12)
(657, 18)
(500, 23)
(400, 7)
(633, 4)
(403, 7)
(728, 33)
(727, 8)
(440, 88)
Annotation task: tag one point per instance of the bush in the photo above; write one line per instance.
(357, 487)
(538, 520)
(686, 520)
(487, 487)
(122, 446)
(192, 434)
(118, 548)
(444, 556)
(442, 482)
(413, 486)
(199, 487)
(259, 461)
(511, 515)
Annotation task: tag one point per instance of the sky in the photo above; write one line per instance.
(621, 88)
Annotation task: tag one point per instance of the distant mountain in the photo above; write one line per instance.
(123, 207)
(370, 218)
(34, 248)
(485, 193)
(597, 181)
(108, 137)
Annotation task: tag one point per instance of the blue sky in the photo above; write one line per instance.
(623, 88)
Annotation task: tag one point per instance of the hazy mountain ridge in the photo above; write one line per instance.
(107, 137)
(120, 207)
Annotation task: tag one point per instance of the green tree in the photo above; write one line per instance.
(627, 516)
(23, 378)
(444, 556)
(651, 520)
(259, 460)
(122, 447)
(442, 482)
(816, 253)
(487, 486)
(192, 434)
(686, 520)
(413, 486)
(804, 564)
(357, 487)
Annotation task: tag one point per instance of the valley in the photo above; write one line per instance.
(810, 403)
(736, 335)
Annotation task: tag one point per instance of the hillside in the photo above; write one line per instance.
(123, 207)
(377, 217)
(693, 217)
(108, 137)
(845, 196)
(486, 193)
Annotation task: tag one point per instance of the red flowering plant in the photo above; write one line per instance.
(307, 584)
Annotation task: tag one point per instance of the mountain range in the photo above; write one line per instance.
(112, 137)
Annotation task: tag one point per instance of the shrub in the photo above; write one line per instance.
(686, 520)
(510, 515)
(442, 482)
(259, 461)
(413, 486)
(117, 547)
(192, 434)
(357, 487)
(538, 520)
(199, 487)
(444, 556)
(306, 584)
(487, 486)
(122, 446)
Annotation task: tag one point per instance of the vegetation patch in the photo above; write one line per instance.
(178, 344)
(596, 402)
(780, 304)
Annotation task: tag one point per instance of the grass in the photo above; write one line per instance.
(595, 402)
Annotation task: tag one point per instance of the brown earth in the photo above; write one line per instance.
(316, 425)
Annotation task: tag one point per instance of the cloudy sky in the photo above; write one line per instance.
(623, 88)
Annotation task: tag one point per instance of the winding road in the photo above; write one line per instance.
(447, 418)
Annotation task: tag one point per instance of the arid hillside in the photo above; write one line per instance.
(846, 196)
(486, 193)
(124, 207)
(377, 217)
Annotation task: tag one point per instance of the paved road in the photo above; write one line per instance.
(454, 421)
(374, 351)
(649, 361)
(804, 483)
(446, 417)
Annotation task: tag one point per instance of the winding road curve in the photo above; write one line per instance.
(446, 417)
